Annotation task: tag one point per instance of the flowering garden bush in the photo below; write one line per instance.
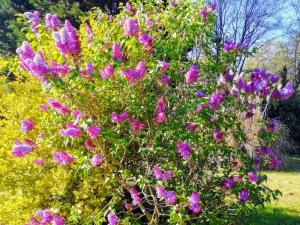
(130, 126)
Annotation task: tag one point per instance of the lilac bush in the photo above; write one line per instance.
(128, 104)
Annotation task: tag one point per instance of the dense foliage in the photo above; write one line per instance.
(129, 126)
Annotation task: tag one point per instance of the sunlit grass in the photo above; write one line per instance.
(285, 211)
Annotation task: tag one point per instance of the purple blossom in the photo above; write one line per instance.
(38, 162)
(58, 106)
(184, 149)
(194, 201)
(117, 51)
(96, 160)
(164, 66)
(135, 196)
(112, 219)
(119, 118)
(21, 149)
(170, 197)
(204, 14)
(34, 19)
(200, 94)
(271, 127)
(215, 100)
(93, 131)
(89, 145)
(160, 175)
(136, 75)
(25, 51)
(201, 107)
(229, 183)
(252, 177)
(131, 27)
(165, 79)
(160, 111)
(275, 163)
(58, 220)
(52, 21)
(244, 195)
(59, 70)
(67, 40)
(146, 41)
(287, 91)
(45, 215)
(27, 125)
(72, 131)
(218, 135)
(136, 125)
(107, 72)
(149, 24)
(192, 75)
(62, 157)
(229, 46)
(130, 9)
(192, 127)
(78, 115)
(160, 191)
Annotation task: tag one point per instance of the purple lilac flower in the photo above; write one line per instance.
(89, 145)
(67, 40)
(45, 215)
(62, 157)
(184, 149)
(58, 220)
(272, 125)
(275, 163)
(160, 111)
(72, 131)
(160, 175)
(244, 195)
(117, 51)
(192, 127)
(164, 66)
(287, 91)
(135, 196)
(215, 100)
(170, 197)
(194, 201)
(59, 70)
(136, 125)
(112, 219)
(52, 21)
(131, 27)
(252, 177)
(201, 107)
(34, 19)
(58, 106)
(229, 183)
(27, 125)
(119, 118)
(204, 14)
(149, 24)
(200, 94)
(78, 115)
(165, 79)
(130, 9)
(96, 160)
(160, 191)
(38, 162)
(146, 41)
(25, 51)
(192, 75)
(21, 149)
(93, 131)
(107, 72)
(136, 75)
(218, 135)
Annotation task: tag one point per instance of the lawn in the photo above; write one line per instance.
(285, 211)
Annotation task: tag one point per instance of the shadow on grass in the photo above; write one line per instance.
(273, 216)
(292, 164)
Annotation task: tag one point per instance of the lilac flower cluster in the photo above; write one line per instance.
(230, 46)
(192, 74)
(67, 40)
(52, 21)
(267, 155)
(96, 160)
(27, 125)
(47, 217)
(58, 106)
(112, 219)
(184, 149)
(160, 111)
(135, 196)
(107, 72)
(21, 149)
(135, 75)
(160, 175)
(169, 196)
(119, 118)
(71, 131)
(194, 201)
(63, 158)
(34, 19)
(136, 125)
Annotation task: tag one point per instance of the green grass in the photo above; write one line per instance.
(285, 211)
